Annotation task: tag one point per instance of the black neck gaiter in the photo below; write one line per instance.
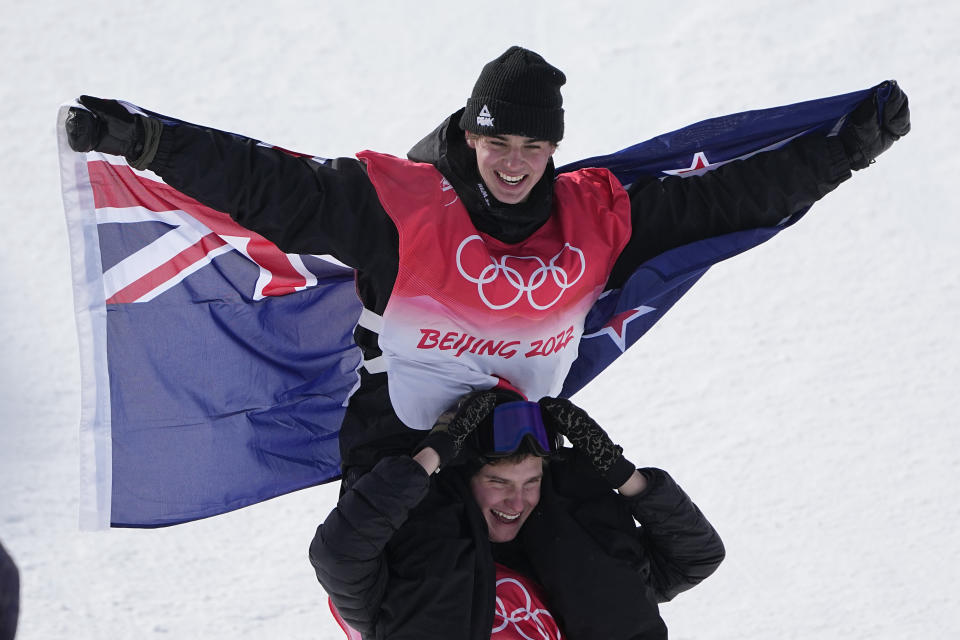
(509, 223)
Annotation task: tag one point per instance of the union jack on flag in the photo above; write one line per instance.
(123, 196)
(215, 367)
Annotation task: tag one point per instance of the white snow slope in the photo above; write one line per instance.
(804, 393)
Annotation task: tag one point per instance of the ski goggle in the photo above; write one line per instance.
(514, 422)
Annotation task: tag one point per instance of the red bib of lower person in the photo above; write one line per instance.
(520, 612)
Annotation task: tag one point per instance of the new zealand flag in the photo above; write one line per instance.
(216, 368)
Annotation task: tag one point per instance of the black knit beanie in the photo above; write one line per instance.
(517, 94)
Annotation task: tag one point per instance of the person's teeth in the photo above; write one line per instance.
(510, 179)
(506, 516)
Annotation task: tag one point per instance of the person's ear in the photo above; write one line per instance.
(471, 139)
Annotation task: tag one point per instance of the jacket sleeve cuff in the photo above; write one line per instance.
(839, 161)
(619, 472)
(164, 149)
(442, 443)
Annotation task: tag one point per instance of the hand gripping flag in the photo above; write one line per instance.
(215, 368)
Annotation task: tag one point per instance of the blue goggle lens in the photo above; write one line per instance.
(513, 422)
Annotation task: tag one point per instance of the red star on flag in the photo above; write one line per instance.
(616, 327)
(699, 166)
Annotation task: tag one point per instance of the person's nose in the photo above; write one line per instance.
(514, 158)
(515, 501)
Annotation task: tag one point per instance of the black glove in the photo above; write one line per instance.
(106, 126)
(457, 423)
(587, 436)
(867, 133)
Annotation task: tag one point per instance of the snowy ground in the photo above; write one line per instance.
(803, 393)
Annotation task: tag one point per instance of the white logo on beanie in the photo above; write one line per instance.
(484, 118)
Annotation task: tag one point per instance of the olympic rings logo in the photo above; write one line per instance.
(542, 273)
(546, 629)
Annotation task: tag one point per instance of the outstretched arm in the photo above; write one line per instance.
(762, 190)
(303, 205)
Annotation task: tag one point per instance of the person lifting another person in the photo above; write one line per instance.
(492, 525)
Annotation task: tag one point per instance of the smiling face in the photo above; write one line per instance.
(507, 493)
(510, 165)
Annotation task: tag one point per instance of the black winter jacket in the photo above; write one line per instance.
(407, 556)
(308, 206)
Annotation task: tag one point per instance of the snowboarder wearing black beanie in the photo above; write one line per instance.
(472, 257)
